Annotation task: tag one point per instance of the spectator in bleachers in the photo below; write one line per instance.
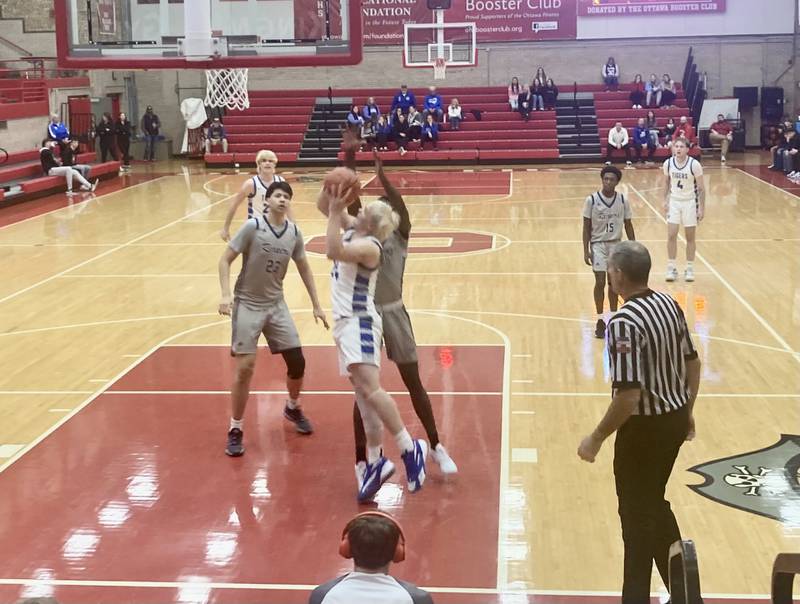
(415, 121)
(540, 74)
(395, 115)
(105, 132)
(785, 153)
(383, 134)
(525, 102)
(652, 89)
(57, 131)
(430, 132)
(433, 104)
(611, 74)
(354, 119)
(685, 130)
(618, 139)
(371, 111)
(368, 134)
(404, 99)
(52, 167)
(454, 115)
(374, 540)
(550, 94)
(537, 89)
(637, 95)
(514, 91)
(216, 136)
(69, 157)
(668, 132)
(124, 131)
(400, 133)
(721, 133)
(641, 138)
(150, 129)
(668, 92)
(652, 126)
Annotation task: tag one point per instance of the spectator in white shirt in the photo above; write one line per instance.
(618, 139)
(454, 115)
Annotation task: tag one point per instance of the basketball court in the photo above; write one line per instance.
(114, 396)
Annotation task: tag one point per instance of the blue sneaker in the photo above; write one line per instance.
(374, 476)
(235, 447)
(415, 465)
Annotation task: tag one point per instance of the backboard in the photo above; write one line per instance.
(426, 44)
(210, 34)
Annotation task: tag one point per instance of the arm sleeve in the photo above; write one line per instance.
(318, 595)
(665, 167)
(611, 136)
(299, 251)
(687, 346)
(587, 208)
(243, 236)
(625, 138)
(697, 169)
(418, 596)
(625, 354)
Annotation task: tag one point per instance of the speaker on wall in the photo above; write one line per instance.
(747, 95)
(771, 103)
(438, 4)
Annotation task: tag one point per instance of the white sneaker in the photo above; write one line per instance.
(608, 163)
(672, 274)
(722, 159)
(70, 193)
(688, 274)
(95, 183)
(443, 459)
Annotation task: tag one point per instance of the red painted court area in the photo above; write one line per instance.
(133, 499)
(446, 182)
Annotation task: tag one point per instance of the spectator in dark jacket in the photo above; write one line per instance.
(668, 93)
(69, 157)
(537, 90)
(415, 121)
(105, 132)
(400, 133)
(430, 132)
(434, 104)
(785, 153)
(550, 94)
(404, 99)
(371, 111)
(368, 134)
(641, 138)
(652, 126)
(150, 129)
(124, 131)
(56, 131)
(383, 134)
(525, 102)
(52, 167)
(611, 74)
(637, 95)
(216, 136)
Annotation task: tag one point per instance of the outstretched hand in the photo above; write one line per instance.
(350, 140)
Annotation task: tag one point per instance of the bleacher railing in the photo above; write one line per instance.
(684, 576)
(784, 569)
(36, 68)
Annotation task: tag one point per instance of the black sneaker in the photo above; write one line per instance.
(600, 329)
(235, 447)
(300, 421)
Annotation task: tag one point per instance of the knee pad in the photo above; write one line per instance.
(295, 363)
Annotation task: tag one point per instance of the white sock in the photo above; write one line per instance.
(690, 264)
(236, 423)
(670, 264)
(600, 316)
(403, 440)
(292, 403)
(373, 454)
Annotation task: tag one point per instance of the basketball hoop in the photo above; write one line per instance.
(439, 68)
(227, 88)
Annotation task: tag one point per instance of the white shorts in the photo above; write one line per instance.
(682, 212)
(358, 340)
(601, 252)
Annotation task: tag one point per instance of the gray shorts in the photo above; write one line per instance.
(274, 321)
(601, 251)
(398, 335)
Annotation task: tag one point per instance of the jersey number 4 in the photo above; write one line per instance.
(680, 184)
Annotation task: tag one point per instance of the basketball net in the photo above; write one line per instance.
(227, 88)
(440, 68)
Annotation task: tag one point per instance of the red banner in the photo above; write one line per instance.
(310, 17)
(496, 20)
(106, 17)
(628, 8)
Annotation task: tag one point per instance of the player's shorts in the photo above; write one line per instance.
(358, 340)
(398, 335)
(274, 321)
(682, 212)
(601, 252)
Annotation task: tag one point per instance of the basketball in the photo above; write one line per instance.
(347, 179)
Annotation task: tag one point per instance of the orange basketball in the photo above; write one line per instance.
(345, 177)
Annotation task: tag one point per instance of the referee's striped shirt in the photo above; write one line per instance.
(648, 345)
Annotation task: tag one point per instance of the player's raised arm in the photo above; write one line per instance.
(394, 197)
(247, 189)
(350, 144)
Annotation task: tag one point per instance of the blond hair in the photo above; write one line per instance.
(266, 154)
(681, 139)
(381, 219)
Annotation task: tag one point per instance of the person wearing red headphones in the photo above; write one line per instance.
(373, 540)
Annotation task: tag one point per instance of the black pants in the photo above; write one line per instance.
(106, 148)
(651, 149)
(124, 144)
(611, 148)
(644, 452)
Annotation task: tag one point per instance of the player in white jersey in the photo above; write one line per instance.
(258, 306)
(605, 214)
(254, 190)
(684, 204)
(358, 330)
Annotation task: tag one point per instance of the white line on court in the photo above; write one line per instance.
(110, 322)
(305, 392)
(764, 182)
(728, 286)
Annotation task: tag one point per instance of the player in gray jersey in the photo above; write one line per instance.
(605, 213)
(258, 306)
(398, 335)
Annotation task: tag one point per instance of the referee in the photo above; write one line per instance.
(656, 376)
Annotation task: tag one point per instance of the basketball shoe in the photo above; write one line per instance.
(688, 275)
(443, 459)
(375, 474)
(300, 421)
(600, 329)
(235, 447)
(414, 461)
(672, 274)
